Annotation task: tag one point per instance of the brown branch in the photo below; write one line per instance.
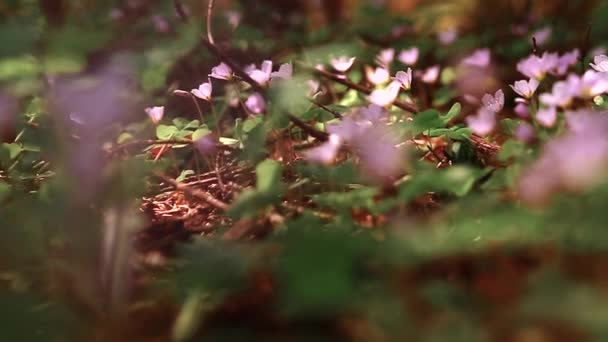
(319, 135)
(209, 14)
(336, 114)
(196, 193)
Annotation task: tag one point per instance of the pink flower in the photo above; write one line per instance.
(538, 67)
(385, 57)
(262, 75)
(600, 63)
(409, 56)
(161, 24)
(386, 96)
(561, 95)
(494, 103)
(404, 78)
(431, 74)
(525, 88)
(234, 18)
(447, 37)
(590, 84)
(342, 63)
(566, 61)
(207, 144)
(203, 92)
(543, 35)
(377, 76)
(325, 153)
(547, 116)
(483, 123)
(255, 103)
(479, 58)
(575, 161)
(222, 72)
(521, 109)
(155, 113)
(372, 113)
(285, 72)
(525, 132)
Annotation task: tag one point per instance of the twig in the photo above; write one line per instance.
(339, 79)
(196, 193)
(209, 15)
(319, 135)
(336, 114)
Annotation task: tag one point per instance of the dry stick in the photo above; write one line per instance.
(336, 114)
(196, 193)
(209, 14)
(339, 79)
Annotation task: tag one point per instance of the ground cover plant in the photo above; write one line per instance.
(318, 170)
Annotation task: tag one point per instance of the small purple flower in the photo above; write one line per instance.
(494, 103)
(203, 92)
(447, 37)
(372, 113)
(525, 132)
(285, 72)
(547, 116)
(155, 113)
(386, 96)
(600, 63)
(479, 58)
(255, 103)
(404, 78)
(565, 61)
(409, 56)
(342, 63)
(543, 35)
(378, 75)
(561, 95)
(538, 67)
(207, 144)
(575, 161)
(385, 57)
(325, 153)
(521, 109)
(525, 88)
(222, 72)
(262, 75)
(161, 24)
(431, 74)
(234, 18)
(483, 123)
(590, 84)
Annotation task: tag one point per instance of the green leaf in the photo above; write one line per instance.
(426, 120)
(268, 176)
(453, 113)
(13, 149)
(199, 133)
(184, 174)
(5, 190)
(165, 132)
(251, 123)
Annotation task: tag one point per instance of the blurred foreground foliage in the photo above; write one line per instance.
(446, 254)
